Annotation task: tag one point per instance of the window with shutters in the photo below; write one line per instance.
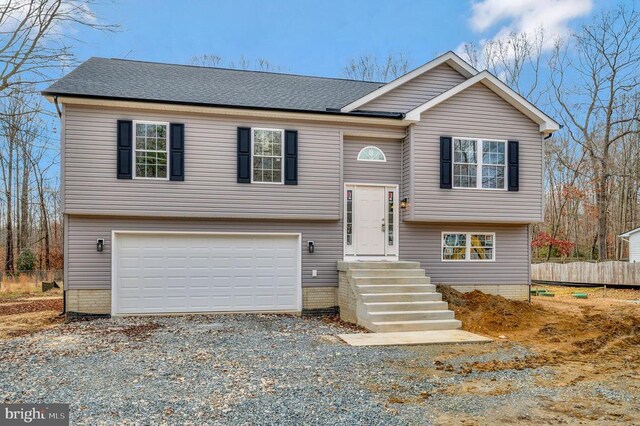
(266, 158)
(151, 150)
(470, 246)
(479, 163)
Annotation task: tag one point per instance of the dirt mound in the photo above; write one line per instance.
(489, 314)
(557, 333)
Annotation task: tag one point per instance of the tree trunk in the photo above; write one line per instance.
(24, 203)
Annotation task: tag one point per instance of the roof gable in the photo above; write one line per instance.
(546, 124)
(417, 91)
(449, 58)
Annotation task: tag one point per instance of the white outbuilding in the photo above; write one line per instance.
(633, 237)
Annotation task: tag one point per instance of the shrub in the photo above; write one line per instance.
(26, 261)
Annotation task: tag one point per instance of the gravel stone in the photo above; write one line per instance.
(243, 369)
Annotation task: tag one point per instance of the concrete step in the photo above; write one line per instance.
(405, 306)
(411, 315)
(390, 280)
(419, 325)
(344, 266)
(386, 273)
(401, 297)
(395, 288)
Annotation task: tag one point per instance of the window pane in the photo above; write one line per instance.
(267, 163)
(455, 240)
(481, 247)
(464, 151)
(277, 143)
(454, 246)
(465, 176)
(267, 156)
(140, 142)
(162, 132)
(162, 145)
(493, 152)
(371, 153)
(151, 130)
(454, 253)
(140, 170)
(493, 177)
(140, 130)
(162, 171)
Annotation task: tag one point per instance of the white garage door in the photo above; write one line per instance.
(174, 272)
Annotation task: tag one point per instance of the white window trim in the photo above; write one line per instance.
(468, 247)
(479, 164)
(135, 149)
(384, 157)
(253, 129)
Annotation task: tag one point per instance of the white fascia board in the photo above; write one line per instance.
(546, 123)
(450, 58)
(629, 233)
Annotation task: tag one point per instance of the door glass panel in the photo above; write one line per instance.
(390, 225)
(349, 217)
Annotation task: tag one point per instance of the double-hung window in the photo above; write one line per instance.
(479, 163)
(266, 158)
(150, 153)
(468, 246)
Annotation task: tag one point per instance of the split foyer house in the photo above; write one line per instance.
(195, 189)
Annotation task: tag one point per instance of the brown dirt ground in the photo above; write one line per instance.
(583, 340)
(26, 313)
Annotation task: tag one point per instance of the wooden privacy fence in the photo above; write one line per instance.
(613, 272)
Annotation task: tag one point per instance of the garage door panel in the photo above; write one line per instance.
(206, 273)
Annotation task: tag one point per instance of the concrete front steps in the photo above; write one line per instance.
(392, 297)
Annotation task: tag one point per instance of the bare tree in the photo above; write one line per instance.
(242, 63)
(370, 68)
(516, 58)
(32, 38)
(596, 86)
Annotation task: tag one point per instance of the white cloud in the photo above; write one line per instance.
(527, 16)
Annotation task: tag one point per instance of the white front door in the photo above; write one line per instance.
(370, 220)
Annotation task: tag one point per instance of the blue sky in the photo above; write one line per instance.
(315, 37)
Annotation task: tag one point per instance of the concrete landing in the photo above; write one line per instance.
(413, 338)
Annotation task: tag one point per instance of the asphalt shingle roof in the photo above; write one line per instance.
(149, 81)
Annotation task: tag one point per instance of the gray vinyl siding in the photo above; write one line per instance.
(89, 269)
(417, 91)
(209, 188)
(422, 242)
(475, 112)
(369, 171)
(407, 170)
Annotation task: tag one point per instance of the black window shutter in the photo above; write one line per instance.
(514, 166)
(445, 162)
(125, 155)
(244, 155)
(290, 157)
(176, 134)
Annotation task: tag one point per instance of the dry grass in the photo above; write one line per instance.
(25, 308)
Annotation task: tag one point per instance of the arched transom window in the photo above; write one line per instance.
(371, 153)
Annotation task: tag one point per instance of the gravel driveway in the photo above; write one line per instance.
(245, 369)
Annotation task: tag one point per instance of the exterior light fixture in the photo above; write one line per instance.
(100, 244)
(404, 203)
